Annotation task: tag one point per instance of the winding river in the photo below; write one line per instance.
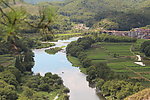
(58, 64)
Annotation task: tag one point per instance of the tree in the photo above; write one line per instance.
(44, 87)
(145, 48)
(28, 60)
(15, 72)
(107, 24)
(8, 77)
(119, 89)
(28, 92)
(99, 83)
(10, 20)
(7, 92)
(19, 63)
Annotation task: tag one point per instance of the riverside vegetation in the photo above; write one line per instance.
(108, 62)
(17, 81)
(53, 50)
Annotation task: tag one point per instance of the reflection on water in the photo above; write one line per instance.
(72, 77)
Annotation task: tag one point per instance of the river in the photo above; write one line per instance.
(58, 64)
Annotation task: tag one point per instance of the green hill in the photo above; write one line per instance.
(127, 13)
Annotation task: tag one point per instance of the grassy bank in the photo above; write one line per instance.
(76, 63)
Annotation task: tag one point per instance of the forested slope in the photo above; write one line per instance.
(127, 13)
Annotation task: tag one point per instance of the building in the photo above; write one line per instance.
(81, 27)
(135, 33)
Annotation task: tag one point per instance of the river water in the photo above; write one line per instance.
(72, 77)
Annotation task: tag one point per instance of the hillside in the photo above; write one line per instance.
(142, 95)
(127, 13)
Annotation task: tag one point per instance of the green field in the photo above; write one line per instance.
(120, 59)
(110, 52)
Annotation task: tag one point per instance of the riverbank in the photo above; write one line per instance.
(99, 58)
(59, 64)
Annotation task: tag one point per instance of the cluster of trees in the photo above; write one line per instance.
(47, 83)
(76, 49)
(18, 76)
(113, 38)
(7, 92)
(9, 78)
(99, 70)
(110, 84)
(145, 48)
(31, 85)
(118, 89)
(25, 62)
(107, 24)
(113, 85)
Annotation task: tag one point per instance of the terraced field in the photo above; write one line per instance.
(120, 59)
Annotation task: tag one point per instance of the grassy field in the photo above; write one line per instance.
(120, 59)
(110, 52)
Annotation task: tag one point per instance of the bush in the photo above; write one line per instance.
(7, 92)
(145, 48)
(66, 90)
(47, 37)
